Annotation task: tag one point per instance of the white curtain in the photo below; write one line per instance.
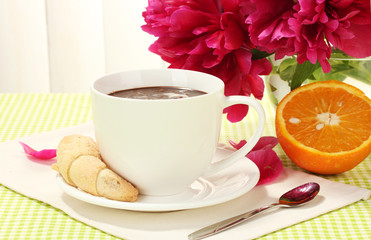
(62, 45)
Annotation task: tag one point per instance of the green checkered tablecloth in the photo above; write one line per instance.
(22, 217)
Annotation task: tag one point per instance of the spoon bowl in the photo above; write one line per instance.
(293, 198)
(299, 195)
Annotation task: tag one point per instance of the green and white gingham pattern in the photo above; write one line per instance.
(25, 218)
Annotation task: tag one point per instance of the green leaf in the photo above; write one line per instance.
(303, 72)
(257, 54)
(359, 69)
(287, 69)
(342, 67)
(337, 72)
(336, 53)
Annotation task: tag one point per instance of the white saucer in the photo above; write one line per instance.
(226, 185)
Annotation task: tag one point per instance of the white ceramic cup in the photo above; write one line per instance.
(162, 146)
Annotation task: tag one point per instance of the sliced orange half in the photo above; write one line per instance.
(325, 127)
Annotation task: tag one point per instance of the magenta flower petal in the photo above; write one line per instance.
(234, 35)
(255, 85)
(237, 145)
(360, 45)
(269, 164)
(265, 142)
(244, 62)
(236, 113)
(45, 154)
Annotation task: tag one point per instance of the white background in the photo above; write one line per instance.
(62, 45)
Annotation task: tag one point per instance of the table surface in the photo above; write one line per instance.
(22, 217)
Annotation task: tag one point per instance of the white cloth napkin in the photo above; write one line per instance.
(37, 180)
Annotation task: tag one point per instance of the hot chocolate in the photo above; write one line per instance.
(161, 92)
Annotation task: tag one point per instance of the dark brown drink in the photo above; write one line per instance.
(152, 93)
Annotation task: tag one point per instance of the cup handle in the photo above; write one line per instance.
(235, 156)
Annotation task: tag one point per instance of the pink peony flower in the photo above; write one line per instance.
(353, 35)
(268, 25)
(311, 28)
(208, 36)
(269, 164)
(310, 24)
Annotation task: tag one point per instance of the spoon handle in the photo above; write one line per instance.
(227, 224)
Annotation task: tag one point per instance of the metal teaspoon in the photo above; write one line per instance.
(295, 197)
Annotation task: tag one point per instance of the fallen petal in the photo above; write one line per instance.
(237, 145)
(45, 154)
(269, 164)
(263, 143)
